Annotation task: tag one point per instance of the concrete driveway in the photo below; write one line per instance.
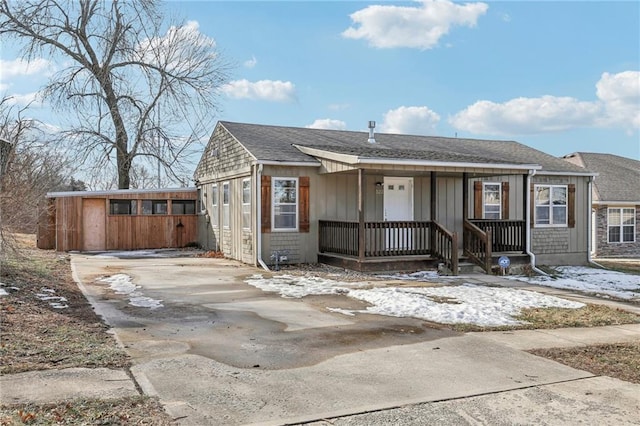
(222, 352)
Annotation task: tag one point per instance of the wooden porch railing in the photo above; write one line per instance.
(507, 235)
(445, 246)
(477, 245)
(382, 239)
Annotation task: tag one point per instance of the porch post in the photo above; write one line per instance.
(465, 202)
(525, 211)
(361, 195)
(432, 212)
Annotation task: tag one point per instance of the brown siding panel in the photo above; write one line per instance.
(571, 206)
(303, 203)
(266, 204)
(505, 200)
(477, 199)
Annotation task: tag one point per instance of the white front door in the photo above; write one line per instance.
(398, 206)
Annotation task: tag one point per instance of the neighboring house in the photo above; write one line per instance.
(118, 220)
(382, 201)
(615, 203)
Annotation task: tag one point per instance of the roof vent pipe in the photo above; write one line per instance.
(372, 125)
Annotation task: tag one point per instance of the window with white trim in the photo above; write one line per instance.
(491, 200)
(225, 204)
(285, 204)
(215, 212)
(246, 203)
(621, 223)
(550, 205)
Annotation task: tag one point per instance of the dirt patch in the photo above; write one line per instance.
(47, 323)
(618, 360)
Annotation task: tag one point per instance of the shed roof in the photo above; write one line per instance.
(278, 143)
(618, 177)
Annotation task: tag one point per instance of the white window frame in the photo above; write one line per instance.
(246, 203)
(226, 202)
(550, 206)
(621, 226)
(215, 206)
(275, 204)
(484, 199)
(203, 200)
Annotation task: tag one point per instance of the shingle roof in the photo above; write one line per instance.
(275, 143)
(618, 177)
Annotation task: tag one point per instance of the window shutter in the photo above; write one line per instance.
(505, 200)
(571, 206)
(477, 199)
(303, 203)
(266, 204)
(532, 205)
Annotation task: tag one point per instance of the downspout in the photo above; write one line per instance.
(259, 218)
(527, 224)
(589, 230)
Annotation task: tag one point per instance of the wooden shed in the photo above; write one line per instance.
(118, 220)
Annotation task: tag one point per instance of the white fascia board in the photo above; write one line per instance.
(550, 173)
(116, 192)
(616, 203)
(448, 164)
(288, 163)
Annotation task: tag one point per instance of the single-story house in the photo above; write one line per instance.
(615, 203)
(386, 201)
(118, 220)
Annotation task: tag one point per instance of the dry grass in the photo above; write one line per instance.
(628, 266)
(620, 360)
(124, 411)
(547, 318)
(37, 336)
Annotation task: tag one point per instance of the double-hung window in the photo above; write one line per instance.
(491, 200)
(621, 224)
(246, 203)
(215, 213)
(225, 204)
(285, 204)
(550, 205)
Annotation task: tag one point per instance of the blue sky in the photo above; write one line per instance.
(558, 76)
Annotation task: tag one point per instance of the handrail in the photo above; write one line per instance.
(508, 235)
(477, 245)
(444, 246)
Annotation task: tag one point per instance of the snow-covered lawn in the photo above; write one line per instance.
(591, 280)
(467, 303)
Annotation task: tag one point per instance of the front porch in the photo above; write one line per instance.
(406, 245)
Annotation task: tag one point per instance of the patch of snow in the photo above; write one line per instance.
(146, 254)
(56, 302)
(416, 276)
(348, 312)
(297, 287)
(484, 306)
(601, 282)
(3, 292)
(122, 284)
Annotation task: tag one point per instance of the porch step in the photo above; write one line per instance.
(466, 268)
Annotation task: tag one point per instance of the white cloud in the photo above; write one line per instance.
(19, 67)
(30, 99)
(328, 124)
(415, 27)
(621, 96)
(411, 120)
(266, 90)
(250, 63)
(618, 104)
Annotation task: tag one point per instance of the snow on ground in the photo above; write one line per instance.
(590, 280)
(48, 295)
(467, 303)
(122, 284)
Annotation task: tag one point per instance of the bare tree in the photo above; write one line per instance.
(136, 88)
(32, 168)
